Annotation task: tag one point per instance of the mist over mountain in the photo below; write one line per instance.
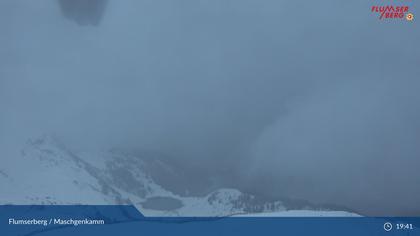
(312, 101)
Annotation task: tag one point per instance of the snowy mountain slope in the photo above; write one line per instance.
(46, 172)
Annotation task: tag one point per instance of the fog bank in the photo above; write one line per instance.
(315, 101)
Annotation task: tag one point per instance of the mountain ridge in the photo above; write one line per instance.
(51, 174)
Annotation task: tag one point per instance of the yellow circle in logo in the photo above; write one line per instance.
(409, 17)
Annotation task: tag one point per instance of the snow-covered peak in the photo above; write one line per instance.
(47, 172)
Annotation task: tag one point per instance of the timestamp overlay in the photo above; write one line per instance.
(127, 220)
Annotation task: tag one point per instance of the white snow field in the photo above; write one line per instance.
(45, 172)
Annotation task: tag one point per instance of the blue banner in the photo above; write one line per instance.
(127, 220)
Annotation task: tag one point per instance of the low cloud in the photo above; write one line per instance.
(321, 103)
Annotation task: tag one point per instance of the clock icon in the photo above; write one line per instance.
(387, 226)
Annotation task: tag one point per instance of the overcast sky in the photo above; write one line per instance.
(313, 100)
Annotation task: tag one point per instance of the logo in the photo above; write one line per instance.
(409, 17)
(392, 12)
